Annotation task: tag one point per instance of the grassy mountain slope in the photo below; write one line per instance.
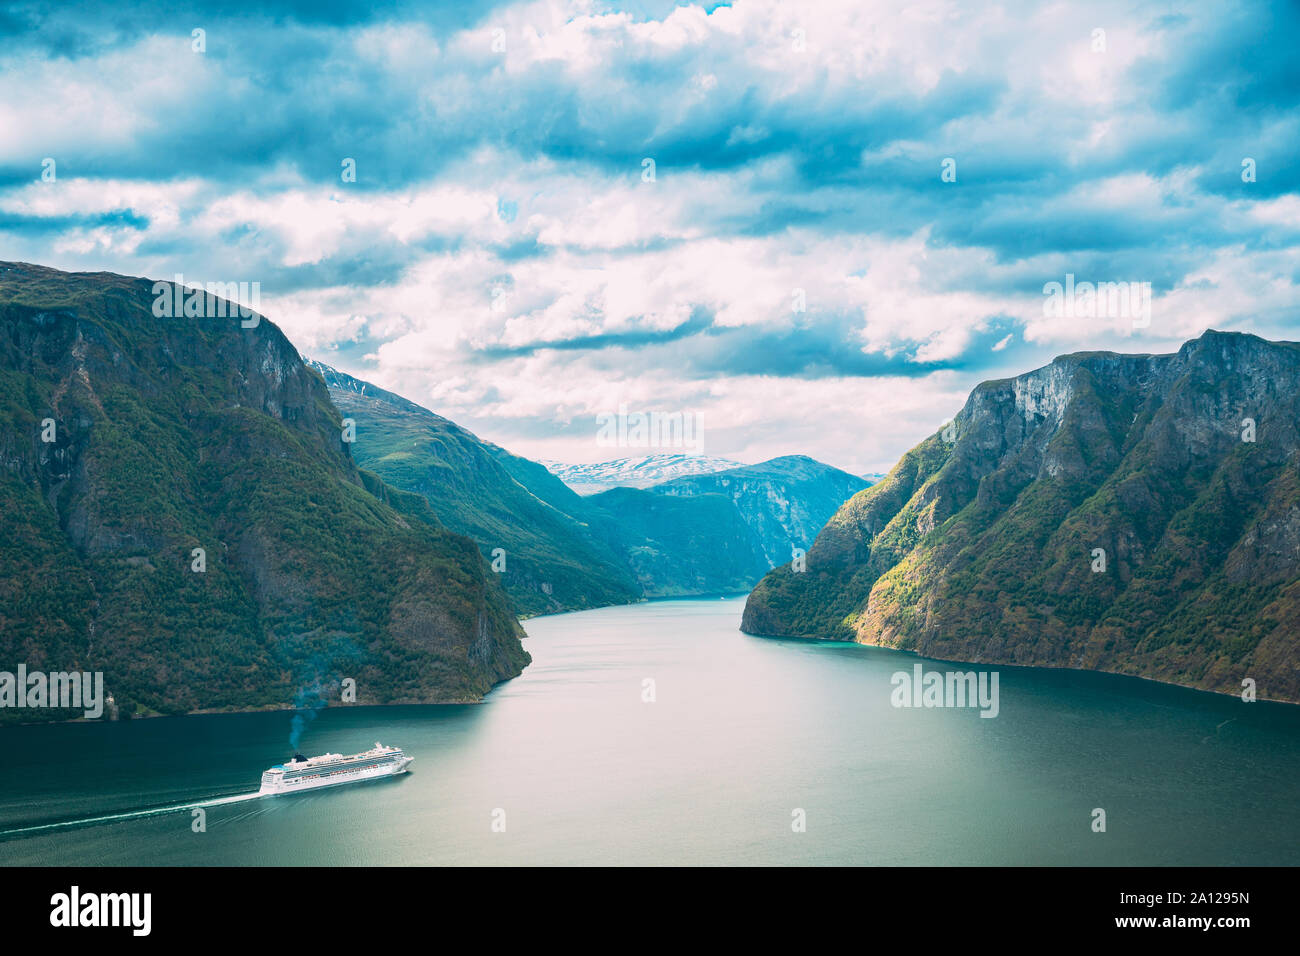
(552, 560)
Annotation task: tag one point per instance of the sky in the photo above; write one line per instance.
(810, 227)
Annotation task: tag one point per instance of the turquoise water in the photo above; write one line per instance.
(743, 731)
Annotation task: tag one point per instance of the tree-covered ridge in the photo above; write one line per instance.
(550, 556)
(176, 434)
(1129, 513)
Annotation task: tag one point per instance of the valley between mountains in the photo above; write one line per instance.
(374, 558)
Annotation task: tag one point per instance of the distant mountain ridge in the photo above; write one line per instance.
(564, 551)
(1138, 514)
(639, 472)
(785, 501)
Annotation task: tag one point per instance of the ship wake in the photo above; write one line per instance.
(127, 815)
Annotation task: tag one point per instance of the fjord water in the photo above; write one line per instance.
(742, 732)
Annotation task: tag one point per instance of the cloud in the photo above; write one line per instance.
(505, 256)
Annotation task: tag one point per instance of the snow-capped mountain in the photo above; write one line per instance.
(639, 472)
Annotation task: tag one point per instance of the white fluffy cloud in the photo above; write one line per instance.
(796, 271)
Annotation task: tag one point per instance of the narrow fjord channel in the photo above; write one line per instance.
(743, 738)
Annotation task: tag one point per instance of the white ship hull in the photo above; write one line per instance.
(333, 770)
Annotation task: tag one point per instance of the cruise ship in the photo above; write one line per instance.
(329, 770)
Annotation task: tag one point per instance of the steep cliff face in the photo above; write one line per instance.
(128, 441)
(784, 501)
(1103, 512)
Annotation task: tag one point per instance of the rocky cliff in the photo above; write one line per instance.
(178, 510)
(1138, 514)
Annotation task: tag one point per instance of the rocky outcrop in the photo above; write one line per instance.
(1129, 513)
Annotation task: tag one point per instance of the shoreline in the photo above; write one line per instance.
(1052, 668)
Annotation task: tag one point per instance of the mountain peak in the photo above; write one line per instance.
(639, 472)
